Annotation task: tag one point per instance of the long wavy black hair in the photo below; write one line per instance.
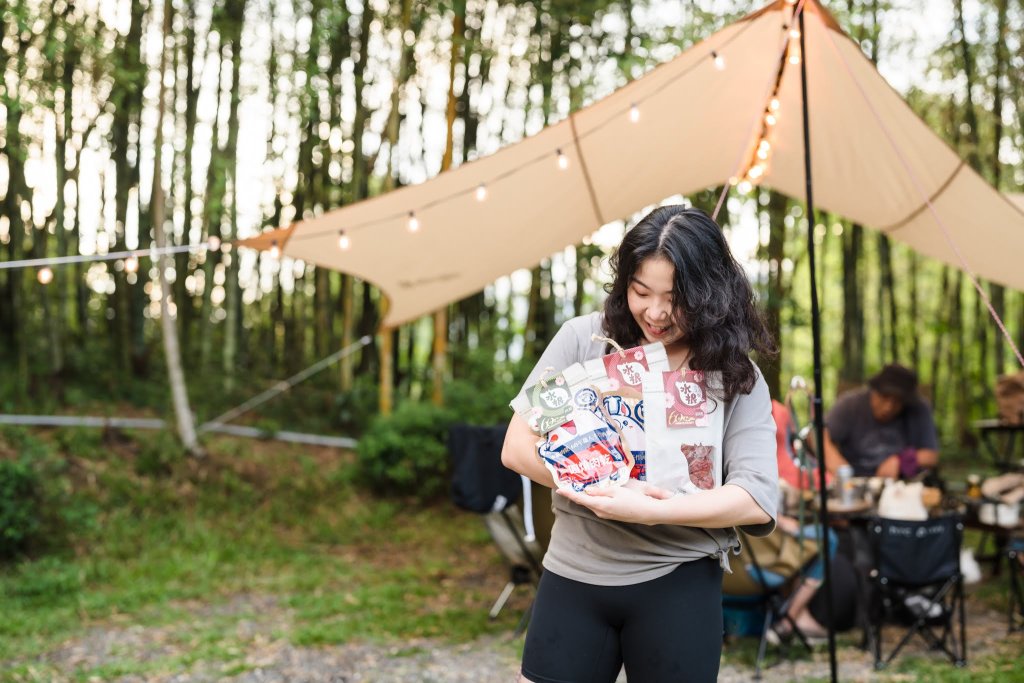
(714, 302)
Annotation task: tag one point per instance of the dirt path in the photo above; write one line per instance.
(245, 640)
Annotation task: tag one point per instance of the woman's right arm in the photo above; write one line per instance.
(519, 453)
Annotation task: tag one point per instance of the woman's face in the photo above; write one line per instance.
(651, 302)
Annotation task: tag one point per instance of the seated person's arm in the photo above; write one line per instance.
(833, 458)
(890, 468)
(519, 453)
(927, 457)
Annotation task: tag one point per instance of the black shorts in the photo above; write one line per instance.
(665, 630)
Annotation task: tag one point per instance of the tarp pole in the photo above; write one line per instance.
(387, 371)
(819, 423)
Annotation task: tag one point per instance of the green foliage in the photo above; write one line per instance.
(39, 510)
(405, 453)
(354, 409)
(21, 502)
(158, 456)
(479, 405)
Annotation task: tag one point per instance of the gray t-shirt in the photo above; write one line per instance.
(865, 442)
(609, 553)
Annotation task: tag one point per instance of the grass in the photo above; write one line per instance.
(264, 543)
(255, 519)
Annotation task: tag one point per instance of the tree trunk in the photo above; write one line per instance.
(172, 353)
(852, 371)
(776, 214)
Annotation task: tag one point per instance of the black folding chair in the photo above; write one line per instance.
(481, 484)
(918, 584)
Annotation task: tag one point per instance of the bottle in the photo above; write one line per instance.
(844, 482)
(974, 486)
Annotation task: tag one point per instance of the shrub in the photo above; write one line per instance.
(21, 507)
(157, 456)
(405, 453)
(354, 409)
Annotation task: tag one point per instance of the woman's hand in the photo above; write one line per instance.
(635, 501)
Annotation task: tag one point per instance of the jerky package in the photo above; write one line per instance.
(619, 376)
(684, 429)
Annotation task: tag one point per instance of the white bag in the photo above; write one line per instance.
(901, 500)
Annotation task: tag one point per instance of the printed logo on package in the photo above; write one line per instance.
(580, 455)
(629, 417)
(627, 367)
(685, 399)
(700, 462)
(553, 399)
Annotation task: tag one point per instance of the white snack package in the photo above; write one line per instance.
(683, 425)
(619, 377)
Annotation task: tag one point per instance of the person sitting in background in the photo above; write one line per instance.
(883, 430)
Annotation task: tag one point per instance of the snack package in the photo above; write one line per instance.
(683, 426)
(585, 451)
(581, 447)
(619, 375)
(549, 403)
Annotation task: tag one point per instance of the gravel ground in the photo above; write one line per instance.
(263, 655)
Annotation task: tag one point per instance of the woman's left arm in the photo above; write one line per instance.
(726, 506)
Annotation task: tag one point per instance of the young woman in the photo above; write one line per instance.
(633, 574)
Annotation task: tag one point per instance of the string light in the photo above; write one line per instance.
(634, 113)
(744, 187)
(756, 171)
(774, 104)
(719, 60)
(481, 192)
(213, 244)
(275, 251)
(794, 33)
(563, 161)
(343, 241)
(794, 57)
(770, 120)
(45, 275)
(414, 223)
(131, 264)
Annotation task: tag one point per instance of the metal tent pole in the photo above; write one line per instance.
(819, 423)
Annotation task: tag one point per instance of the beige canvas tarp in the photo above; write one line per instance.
(873, 160)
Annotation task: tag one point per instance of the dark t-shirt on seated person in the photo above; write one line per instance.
(865, 442)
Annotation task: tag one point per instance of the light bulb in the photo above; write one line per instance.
(563, 161)
(131, 264)
(634, 113)
(770, 119)
(794, 57)
(774, 104)
(213, 243)
(794, 33)
(755, 172)
(275, 251)
(744, 187)
(481, 192)
(733, 180)
(343, 241)
(718, 59)
(414, 223)
(45, 275)
(762, 153)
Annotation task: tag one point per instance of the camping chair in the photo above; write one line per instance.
(918, 583)
(481, 484)
(751, 587)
